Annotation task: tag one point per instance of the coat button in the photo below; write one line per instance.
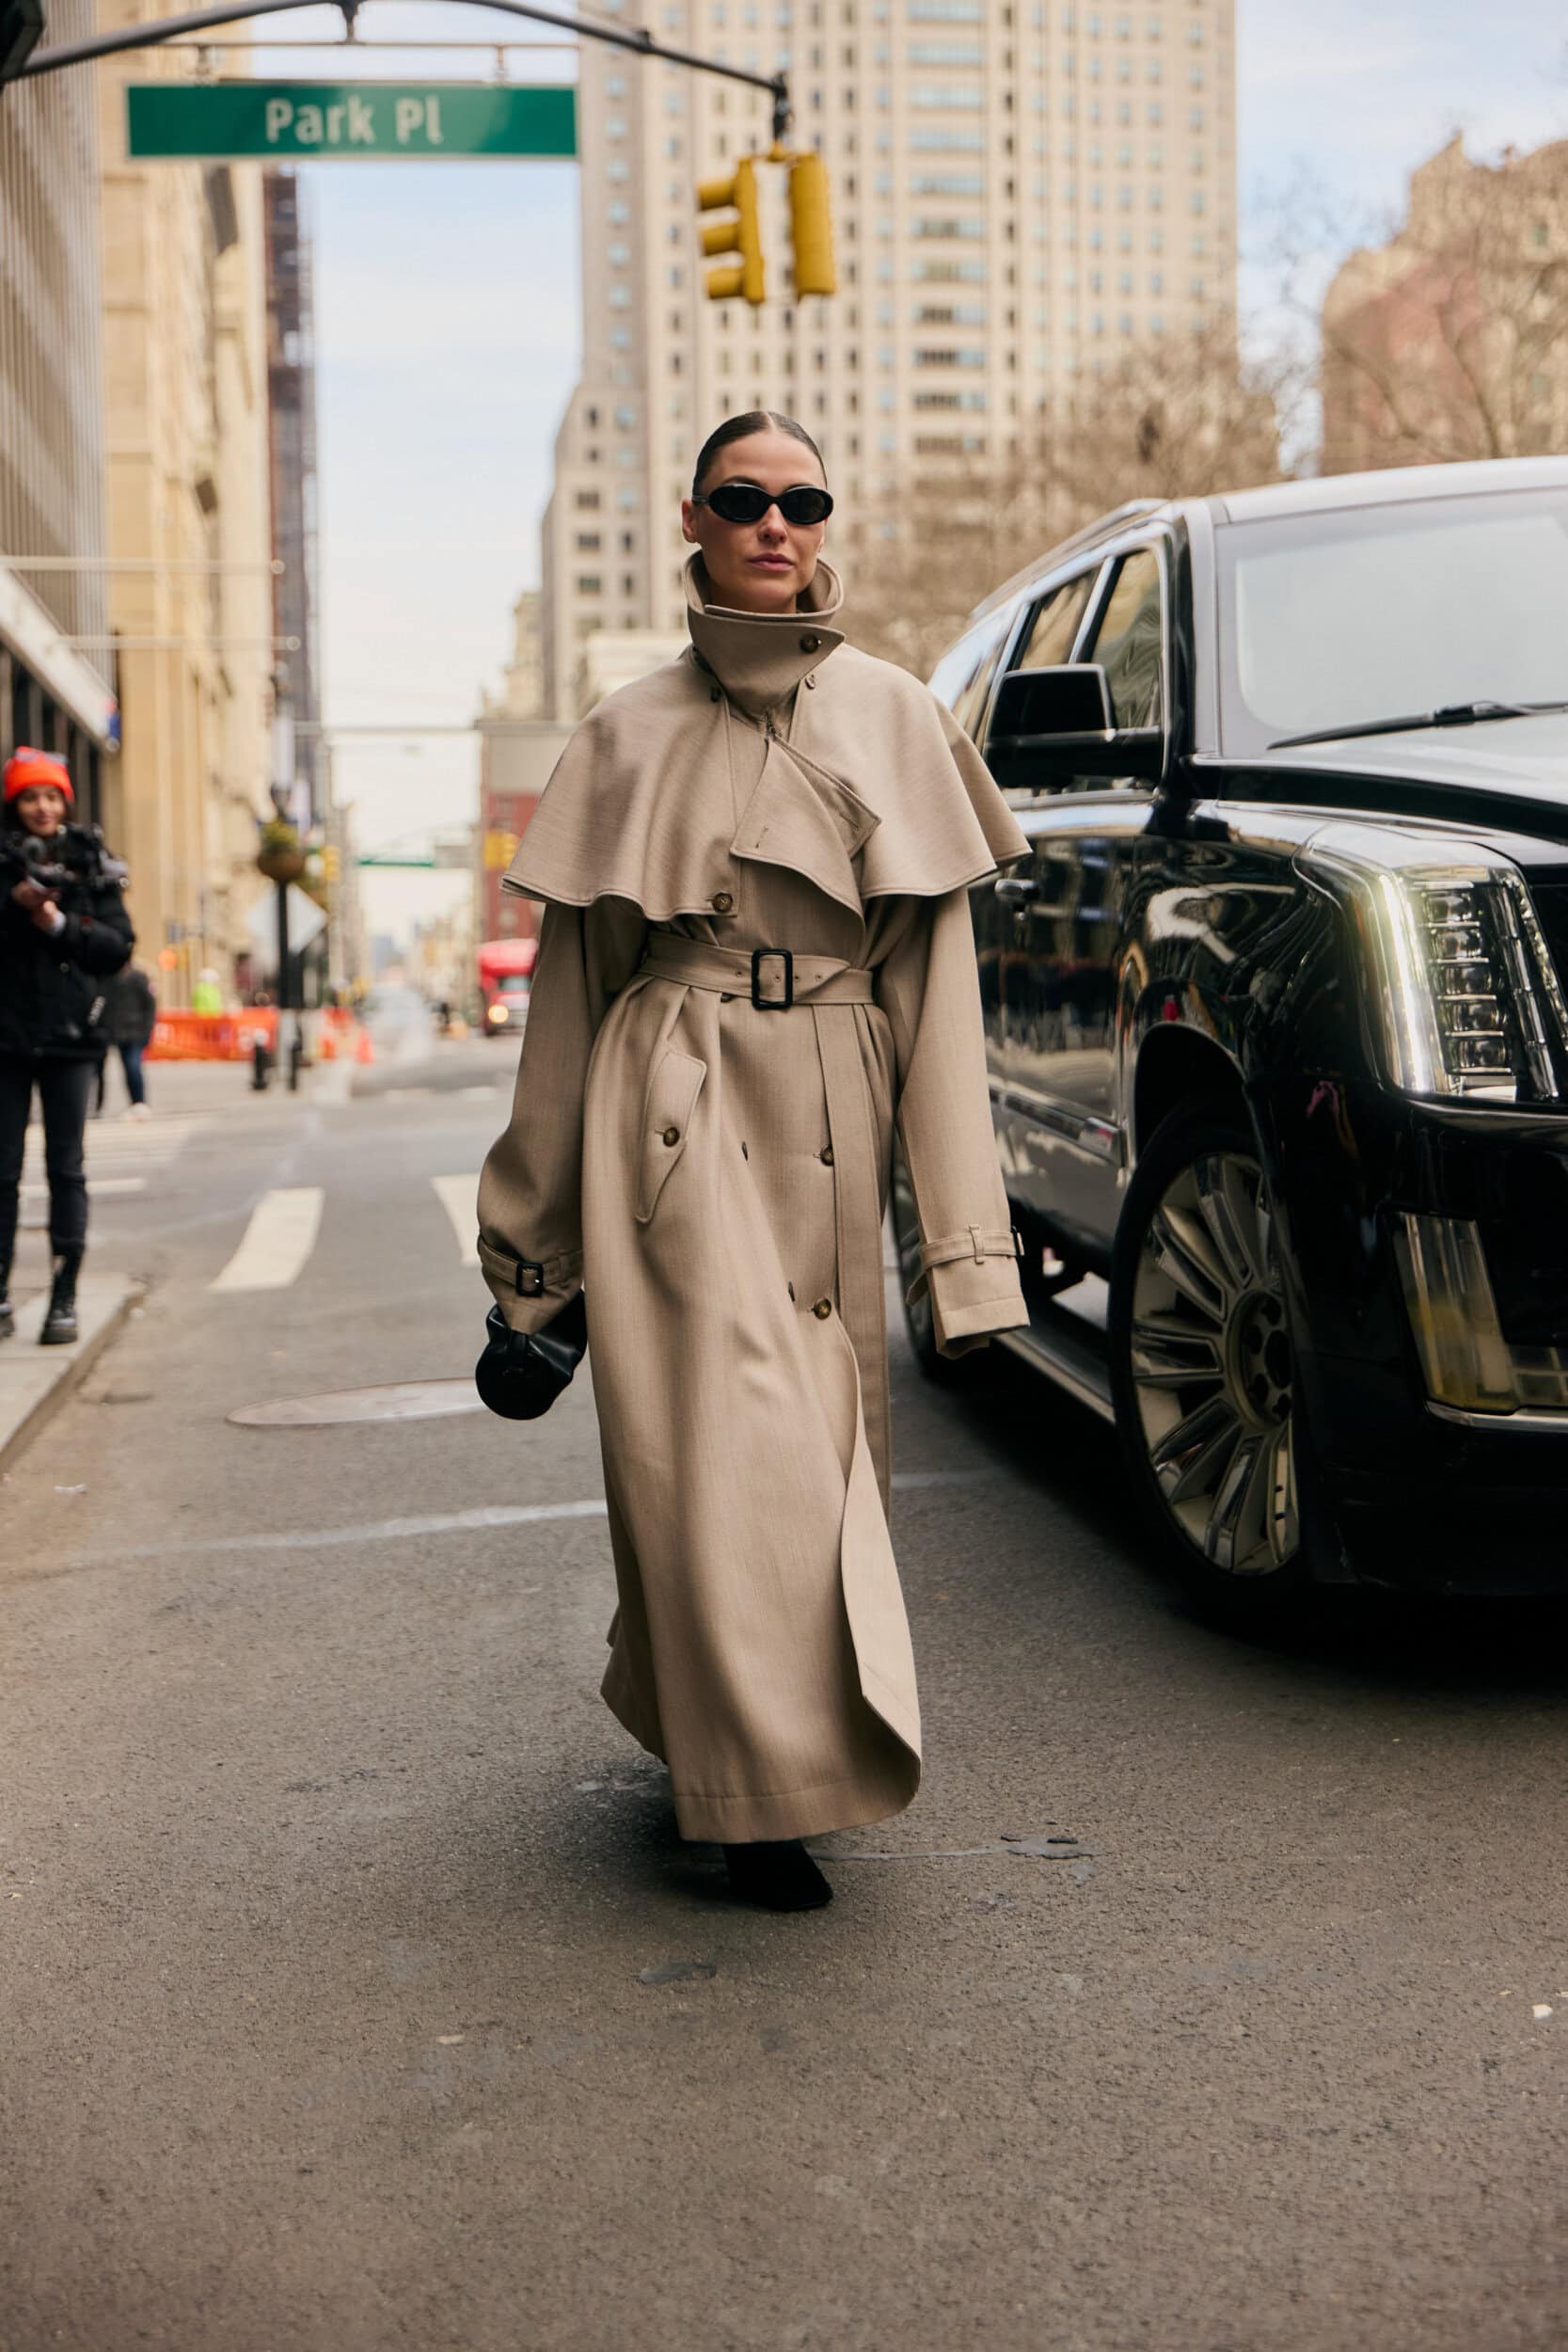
(809, 644)
(823, 1309)
(826, 1155)
(672, 1135)
(721, 902)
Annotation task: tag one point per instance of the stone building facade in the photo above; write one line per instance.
(56, 671)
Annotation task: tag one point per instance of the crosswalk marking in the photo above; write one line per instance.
(120, 1148)
(277, 1241)
(458, 1197)
(102, 1188)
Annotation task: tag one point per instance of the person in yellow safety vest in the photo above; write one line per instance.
(206, 997)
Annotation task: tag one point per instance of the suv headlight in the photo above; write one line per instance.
(1466, 997)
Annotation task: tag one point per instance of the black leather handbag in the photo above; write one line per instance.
(522, 1373)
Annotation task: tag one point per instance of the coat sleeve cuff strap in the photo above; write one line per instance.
(974, 1246)
(975, 1242)
(530, 1278)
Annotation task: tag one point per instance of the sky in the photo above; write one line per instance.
(446, 310)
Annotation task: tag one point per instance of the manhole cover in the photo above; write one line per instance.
(401, 1400)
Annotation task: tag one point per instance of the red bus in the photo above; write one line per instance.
(505, 969)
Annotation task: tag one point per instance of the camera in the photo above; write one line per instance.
(27, 859)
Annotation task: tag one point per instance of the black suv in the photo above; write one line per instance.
(1277, 1041)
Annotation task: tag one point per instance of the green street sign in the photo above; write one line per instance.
(340, 121)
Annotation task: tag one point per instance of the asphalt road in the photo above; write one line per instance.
(356, 1993)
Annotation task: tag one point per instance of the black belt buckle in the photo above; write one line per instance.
(772, 1004)
(534, 1287)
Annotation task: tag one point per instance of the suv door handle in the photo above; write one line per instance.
(1016, 890)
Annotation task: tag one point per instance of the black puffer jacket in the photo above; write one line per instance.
(52, 987)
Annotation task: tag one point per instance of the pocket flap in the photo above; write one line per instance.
(672, 1092)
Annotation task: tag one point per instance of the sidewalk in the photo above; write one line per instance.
(34, 1380)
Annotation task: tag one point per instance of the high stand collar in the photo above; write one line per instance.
(759, 659)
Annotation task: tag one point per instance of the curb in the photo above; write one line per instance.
(34, 1381)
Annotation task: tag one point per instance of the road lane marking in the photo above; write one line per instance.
(459, 1196)
(277, 1241)
(477, 1521)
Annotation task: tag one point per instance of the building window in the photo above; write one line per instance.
(588, 583)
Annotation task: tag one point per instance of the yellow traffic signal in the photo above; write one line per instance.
(329, 864)
(739, 234)
(811, 227)
(501, 848)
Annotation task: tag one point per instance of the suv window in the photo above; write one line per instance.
(1128, 642)
(1048, 639)
(962, 677)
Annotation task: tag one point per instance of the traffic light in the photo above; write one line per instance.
(739, 235)
(21, 25)
(501, 848)
(330, 864)
(811, 227)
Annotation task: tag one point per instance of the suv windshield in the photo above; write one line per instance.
(1331, 620)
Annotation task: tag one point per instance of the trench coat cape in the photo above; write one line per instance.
(715, 1173)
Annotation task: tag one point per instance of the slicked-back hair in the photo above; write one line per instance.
(741, 429)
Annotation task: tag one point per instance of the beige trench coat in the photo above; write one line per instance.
(716, 1174)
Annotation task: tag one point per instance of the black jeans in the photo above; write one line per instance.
(65, 1091)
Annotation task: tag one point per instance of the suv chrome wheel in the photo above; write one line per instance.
(1203, 1360)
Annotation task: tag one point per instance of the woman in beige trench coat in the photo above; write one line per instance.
(755, 960)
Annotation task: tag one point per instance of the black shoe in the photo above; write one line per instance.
(777, 1875)
(7, 1320)
(59, 1324)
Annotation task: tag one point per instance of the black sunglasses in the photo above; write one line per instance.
(746, 502)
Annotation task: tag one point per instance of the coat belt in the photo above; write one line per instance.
(821, 985)
(695, 963)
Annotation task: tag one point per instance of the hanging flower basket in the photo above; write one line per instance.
(281, 866)
(282, 854)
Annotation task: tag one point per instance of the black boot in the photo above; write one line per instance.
(777, 1875)
(59, 1324)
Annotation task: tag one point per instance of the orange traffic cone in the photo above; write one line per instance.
(327, 1049)
(363, 1050)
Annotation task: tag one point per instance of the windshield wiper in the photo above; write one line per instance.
(1450, 715)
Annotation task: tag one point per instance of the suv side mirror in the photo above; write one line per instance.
(1061, 718)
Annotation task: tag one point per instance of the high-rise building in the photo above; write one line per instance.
(518, 748)
(56, 673)
(1450, 342)
(190, 538)
(1024, 191)
(291, 469)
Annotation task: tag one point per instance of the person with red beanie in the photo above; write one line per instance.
(64, 931)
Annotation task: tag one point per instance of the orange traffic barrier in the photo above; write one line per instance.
(363, 1049)
(179, 1036)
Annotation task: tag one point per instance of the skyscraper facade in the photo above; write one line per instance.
(1024, 191)
(57, 669)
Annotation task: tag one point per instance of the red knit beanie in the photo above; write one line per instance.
(26, 769)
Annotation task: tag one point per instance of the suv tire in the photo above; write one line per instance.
(1202, 1368)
